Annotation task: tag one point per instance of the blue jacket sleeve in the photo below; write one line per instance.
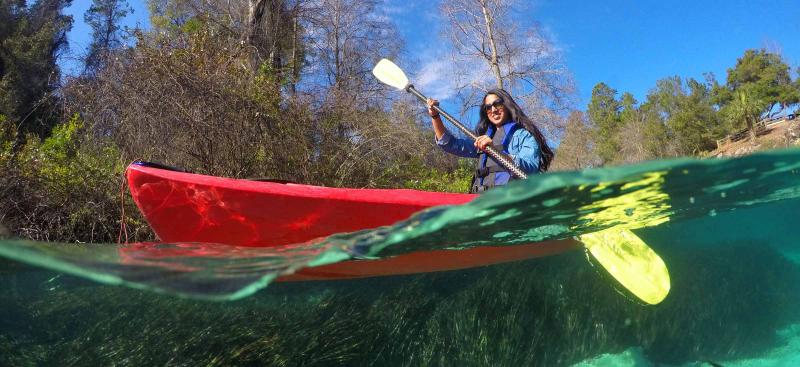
(458, 146)
(525, 151)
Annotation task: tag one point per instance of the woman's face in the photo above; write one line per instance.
(495, 110)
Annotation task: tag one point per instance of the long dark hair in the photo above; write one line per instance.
(516, 115)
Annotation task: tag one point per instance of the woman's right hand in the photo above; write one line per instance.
(482, 142)
(431, 112)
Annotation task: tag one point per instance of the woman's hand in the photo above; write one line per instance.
(482, 141)
(436, 120)
(431, 112)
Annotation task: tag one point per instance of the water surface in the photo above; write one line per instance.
(726, 229)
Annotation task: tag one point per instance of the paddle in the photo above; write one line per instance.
(623, 254)
(389, 73)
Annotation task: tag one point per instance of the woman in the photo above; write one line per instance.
(503, 125)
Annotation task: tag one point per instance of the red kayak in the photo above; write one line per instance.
(186, 207)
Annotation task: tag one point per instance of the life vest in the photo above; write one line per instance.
(489, 173)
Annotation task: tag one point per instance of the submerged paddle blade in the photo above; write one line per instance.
(389, 73)
(631, 262)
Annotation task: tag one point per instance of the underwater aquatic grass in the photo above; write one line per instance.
(549, 312)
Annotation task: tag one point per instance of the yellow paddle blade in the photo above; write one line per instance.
(389, 73)
(646, 205)
(631, 262)
(623, 254)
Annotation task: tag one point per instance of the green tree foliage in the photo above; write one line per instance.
(421, 176)
(604, 112)
(268, 32)
(658, 141)
(678, 118)
(759, 80)
(627, 108)
(104, 17)
(194, 92)
(186, 96)
(281, 89)
(686, 117)
(746, 108)
(797, 80)
(172, 15)
(697, 125)
(766, 76)
(792, 95)
(686, 108)
(62, 189)
(31, 39)
(7, 133)
(177, 98)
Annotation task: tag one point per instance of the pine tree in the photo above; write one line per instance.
(604, 110)
(32, 38)
(766, 77)
(104, 16)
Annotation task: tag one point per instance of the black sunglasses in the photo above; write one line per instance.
(496, 104)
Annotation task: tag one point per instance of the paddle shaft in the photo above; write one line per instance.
(625, 263)
(499, 158)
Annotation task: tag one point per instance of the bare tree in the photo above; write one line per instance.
(325, 45)
(493, 48)
(274, 32)
(207, 110)
(269, 32)
(345, 39)
(576, 150)
(632, 139)
(354, 140)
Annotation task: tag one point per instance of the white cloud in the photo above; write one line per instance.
(435, 78)
(396, 8)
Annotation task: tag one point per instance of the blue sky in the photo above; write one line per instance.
(627, 44)
(81, 35)
(631, 44)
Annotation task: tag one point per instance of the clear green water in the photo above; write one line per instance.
(727, 230)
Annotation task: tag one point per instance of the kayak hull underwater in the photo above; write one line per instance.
(186, 207)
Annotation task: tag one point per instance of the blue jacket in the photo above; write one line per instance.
(522, 148)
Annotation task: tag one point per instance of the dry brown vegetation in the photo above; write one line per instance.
(199, 91)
